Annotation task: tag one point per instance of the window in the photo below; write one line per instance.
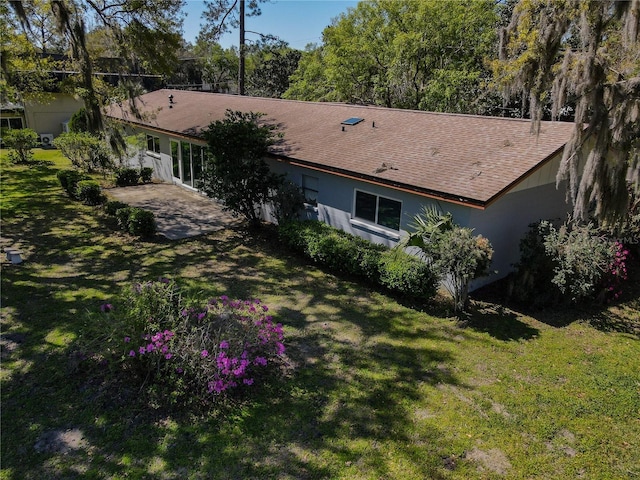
(12, 123)
(310, 189)
(175, 157)
(197, 152)
(153, 144)
(187, 177)
(380, 210)
(7, 124)
(187, 161)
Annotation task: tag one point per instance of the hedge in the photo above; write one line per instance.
(348, 254)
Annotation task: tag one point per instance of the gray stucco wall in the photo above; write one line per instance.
(504, 222)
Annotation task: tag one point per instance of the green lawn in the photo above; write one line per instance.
(376, 390)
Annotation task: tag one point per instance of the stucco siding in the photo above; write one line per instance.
(506, 221)
(49, 117)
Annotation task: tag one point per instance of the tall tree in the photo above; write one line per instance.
(145, 33)
(274, 64)
(309, 81)
(24, 71)
(219, 65)
(422, 54)
(584, 52)
(223, 15)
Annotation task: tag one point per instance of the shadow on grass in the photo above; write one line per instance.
(358, 364)
(500, 323)
(622, 315)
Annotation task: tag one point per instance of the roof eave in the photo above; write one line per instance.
(529, 172)
(436, 195)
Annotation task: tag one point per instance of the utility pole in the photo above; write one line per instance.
(242, 51)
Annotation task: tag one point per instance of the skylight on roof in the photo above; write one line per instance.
(352, 121)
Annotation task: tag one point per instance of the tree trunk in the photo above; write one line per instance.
(242, 51)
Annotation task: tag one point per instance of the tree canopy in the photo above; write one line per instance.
(585, 54)
(425, 54)
(144, 35)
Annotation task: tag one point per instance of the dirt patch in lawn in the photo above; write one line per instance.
(493, 460)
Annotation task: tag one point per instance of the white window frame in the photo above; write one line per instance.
(377, 212)
(156, 144)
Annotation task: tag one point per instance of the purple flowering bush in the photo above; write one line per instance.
(228, 344)
(192, 352)
(616, 273)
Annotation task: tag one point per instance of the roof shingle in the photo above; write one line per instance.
(465, 157)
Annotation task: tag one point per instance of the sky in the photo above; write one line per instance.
(297, 22)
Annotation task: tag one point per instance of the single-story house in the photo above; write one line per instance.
(369, 170)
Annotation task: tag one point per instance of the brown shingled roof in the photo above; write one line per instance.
(467, 158)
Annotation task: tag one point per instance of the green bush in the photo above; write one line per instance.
(137, 221)
(122, 216)
(562, 264)
(85, 151)
(531, 281)
(21, 142)
(90, 192)
(112, 206)
(455, 255)
(287, 200)
(69, 180)
(146, 174)
(581, 255)
(78, 121)
(407, 275)
(126, 177)
(142, 223)
(337, 250)
(348, 254)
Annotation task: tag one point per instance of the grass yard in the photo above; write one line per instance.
(376, 390)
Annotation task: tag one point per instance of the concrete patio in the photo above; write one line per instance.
(179, 212)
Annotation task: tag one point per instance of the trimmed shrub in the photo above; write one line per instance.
(137, 221)
(69, 180)
(112, 206)
(90, 192)
(122, 216)
(339, 251)
(126, 177)
(407, 275)
(348, 254)
(142, 223)
(146, 174)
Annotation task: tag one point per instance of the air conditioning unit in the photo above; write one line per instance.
(46, 140)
